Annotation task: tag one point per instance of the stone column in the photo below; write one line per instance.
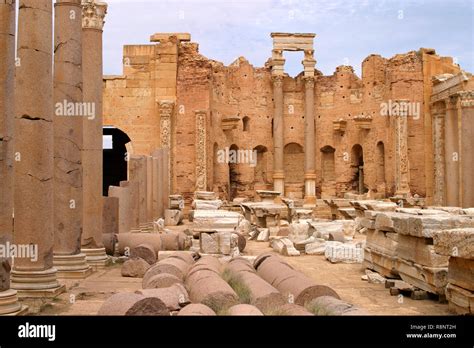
(9, 304)
(68, 195)
(439, 159)
(451, 148)
(309, 136)
(137, 174)
(278, 135)
(201, 152)
(33, 275)
(149, 191)
(157, 184)
(467, 146)
(402, 179)
(93, 14)
(166, 108)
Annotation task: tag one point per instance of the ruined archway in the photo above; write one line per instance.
(114, 157)
(357, 165)
(294, 170)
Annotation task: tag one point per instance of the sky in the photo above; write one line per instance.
(347, 31)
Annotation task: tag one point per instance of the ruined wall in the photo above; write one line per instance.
(230, 94)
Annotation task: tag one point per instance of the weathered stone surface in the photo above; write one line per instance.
(347, 253)
(263, 235)
(244, 309)
(386, 265)
(328, 305)
(161, 280)
(461, 273)
(172, 266)
(461, 301)
(382, 241)
(262, 294)
(317, 247)
(127, 241)
(298, 231)
(291, 283)
(456, 242)
(145, 252)
(133, 304)
(419, 251)
(135, 268)
(431, 279)
(209, 243)
(207, 204)
(174, 297)
(196, 309)
(173, 217)
(284, 246)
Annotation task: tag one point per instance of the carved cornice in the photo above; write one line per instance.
(93, 14)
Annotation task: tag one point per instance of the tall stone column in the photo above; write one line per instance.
(402, 179)
(33, 275)
(137, 174)
(166, 108)
(9, 304)
(451, 149)
(278, 135)
(439, 158)
(93, 14)
(68, 195)
(309, 137)
(467, 146)
(201, 152)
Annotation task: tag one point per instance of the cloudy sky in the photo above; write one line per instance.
(347, 30)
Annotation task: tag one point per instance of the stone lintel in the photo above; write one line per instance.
(295, 35)
(158, 37)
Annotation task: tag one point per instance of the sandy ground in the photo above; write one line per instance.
(86, 296)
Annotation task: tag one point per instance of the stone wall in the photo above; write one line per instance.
(230, 94)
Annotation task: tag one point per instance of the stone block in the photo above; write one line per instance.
(347, 253)
(173, 217)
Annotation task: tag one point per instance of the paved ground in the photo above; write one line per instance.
(85, 297)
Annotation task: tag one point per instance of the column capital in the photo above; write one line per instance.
(93, 14)
(166, 107)
(277, 80)
(466, 98)
(309, 82)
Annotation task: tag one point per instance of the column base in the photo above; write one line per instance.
(72, 266)
(9, 304)
(36, 284)
(279, 183)
(97, 258)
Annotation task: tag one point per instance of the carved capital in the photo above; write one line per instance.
(466, 98)
(277, 80)
(309, 82)
(93, 14)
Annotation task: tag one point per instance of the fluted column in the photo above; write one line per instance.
(439, 159)
(68, 195)
(278, 135)
(467, 146)
(93, 14)
(34, 276)
(452, 155)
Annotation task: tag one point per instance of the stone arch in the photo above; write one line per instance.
(116, 145)
(357, 166)
(246, 124)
